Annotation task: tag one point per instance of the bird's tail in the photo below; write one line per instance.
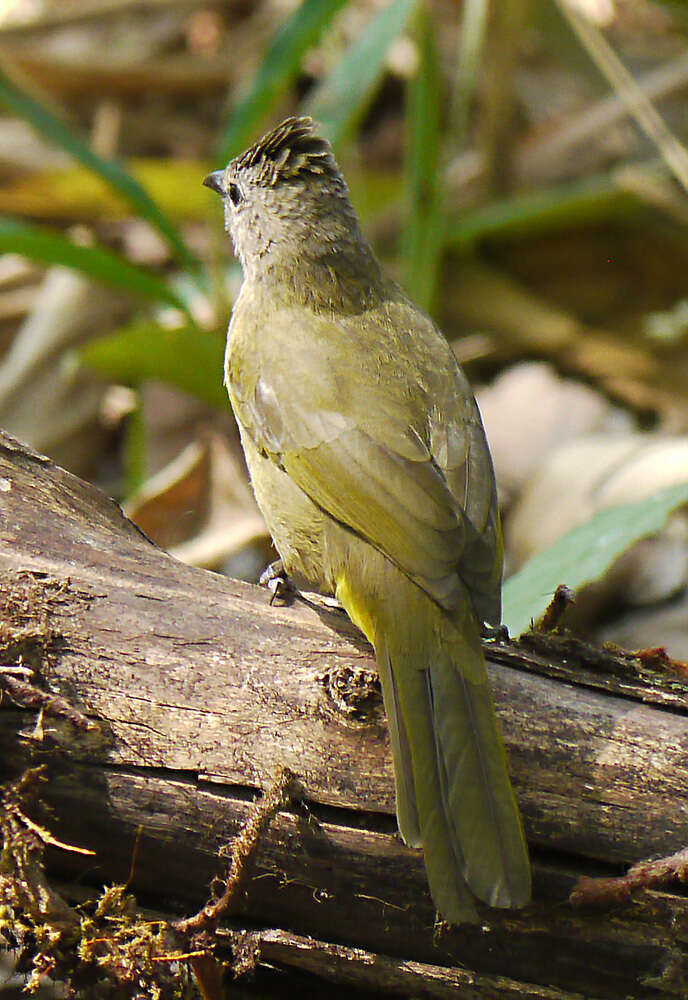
(453, 793)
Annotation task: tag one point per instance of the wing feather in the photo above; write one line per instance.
(399, 464)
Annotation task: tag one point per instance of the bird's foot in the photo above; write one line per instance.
(494, 633)
(275, 578)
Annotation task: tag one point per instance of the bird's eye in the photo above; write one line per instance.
(234, 193)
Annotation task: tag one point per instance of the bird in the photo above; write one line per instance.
(369, 462)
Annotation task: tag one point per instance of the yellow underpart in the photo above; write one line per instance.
(356, 609)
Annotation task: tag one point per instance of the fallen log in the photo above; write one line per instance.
(161, 698)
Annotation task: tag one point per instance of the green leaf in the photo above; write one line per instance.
(50, 247)
(342, 98)
(187, 358)
(51, 128)
(584, 554)
(421, 245)
(281, 64)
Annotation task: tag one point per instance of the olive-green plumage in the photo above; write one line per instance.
(370, 464)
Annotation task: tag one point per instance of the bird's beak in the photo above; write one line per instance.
(214, 181)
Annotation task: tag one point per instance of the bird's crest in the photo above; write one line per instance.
(289, 151)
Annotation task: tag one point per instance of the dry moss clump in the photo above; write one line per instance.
(105, 947)
(102, 947)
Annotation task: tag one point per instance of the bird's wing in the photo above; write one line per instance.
(406, 470)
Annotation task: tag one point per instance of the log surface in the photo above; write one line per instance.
(200, 690)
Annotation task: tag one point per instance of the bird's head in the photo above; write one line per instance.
(285, 198)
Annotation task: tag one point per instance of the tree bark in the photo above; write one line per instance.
(199, 690)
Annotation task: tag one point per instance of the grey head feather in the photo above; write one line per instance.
(288, 212)
(289, 151)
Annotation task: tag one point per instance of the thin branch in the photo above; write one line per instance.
(673, 152)
(644, 875)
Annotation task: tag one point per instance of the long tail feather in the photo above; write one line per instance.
(480, 804)
(453, 789)
(407, 811)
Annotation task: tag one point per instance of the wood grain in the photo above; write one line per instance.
(199, 689)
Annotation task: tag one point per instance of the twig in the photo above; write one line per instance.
(46, 836)
(28, 696)
(542, 153)
(673, 152)
(134, 856)
(206, 969)
(262, 812)
(644, 875)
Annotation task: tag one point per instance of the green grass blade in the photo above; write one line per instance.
(281, 64)
(575, 204)
(585, 554)
(342, 98)
(474, 17)
(135, 451)
(51, 128)
(187, 358)
(421, 245)
(50, 247)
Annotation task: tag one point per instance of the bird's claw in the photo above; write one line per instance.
(275, 578)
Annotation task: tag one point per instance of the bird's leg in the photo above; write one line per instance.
(275, 578)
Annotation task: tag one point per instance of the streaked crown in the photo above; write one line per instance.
(289, 151)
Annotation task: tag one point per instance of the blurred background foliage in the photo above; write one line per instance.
(519, 167)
